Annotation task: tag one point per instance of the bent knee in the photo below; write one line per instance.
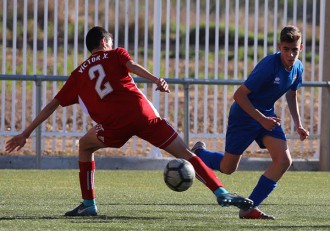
(284, 163)
(228, 170)
(287, 163)
(229, 163)
(85, 145)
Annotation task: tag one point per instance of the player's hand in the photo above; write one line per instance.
(269, 123)
(303, 133)
(15, 142)
(162, 86)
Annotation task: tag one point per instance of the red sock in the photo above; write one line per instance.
(86, 177)
(205, 174)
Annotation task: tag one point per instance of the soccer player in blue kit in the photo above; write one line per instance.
(252, 117)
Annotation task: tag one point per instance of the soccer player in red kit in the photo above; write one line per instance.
(104, 88)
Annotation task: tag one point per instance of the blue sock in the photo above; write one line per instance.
(211, 159)
(220, 191)
(89, 203)
(264, 187)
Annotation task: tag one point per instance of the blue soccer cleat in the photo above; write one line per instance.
(232, 199)
(83, 210)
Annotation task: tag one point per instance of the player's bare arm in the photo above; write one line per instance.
(20, 140)
(241, 98)
(142, 72)
(291, 98)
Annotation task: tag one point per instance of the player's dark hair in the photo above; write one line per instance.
(94, 37)
(290, 34)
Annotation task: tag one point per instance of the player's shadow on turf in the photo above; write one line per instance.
(59, 217)
(31, 218)
(100, 218)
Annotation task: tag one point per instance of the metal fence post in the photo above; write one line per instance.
(186, 113)
(38, 129)
(325, 131)
(157, 47)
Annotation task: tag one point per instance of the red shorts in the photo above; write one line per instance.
(157, 132)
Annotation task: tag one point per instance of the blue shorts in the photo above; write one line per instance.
(242, 132)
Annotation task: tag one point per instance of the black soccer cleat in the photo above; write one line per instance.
(232, 199)
(83, 210)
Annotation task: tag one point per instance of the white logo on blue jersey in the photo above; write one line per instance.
(277, 80)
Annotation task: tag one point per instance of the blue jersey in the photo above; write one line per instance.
(268, 82)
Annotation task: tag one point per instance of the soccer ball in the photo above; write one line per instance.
(179, 175)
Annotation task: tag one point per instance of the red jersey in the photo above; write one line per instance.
(103, 85)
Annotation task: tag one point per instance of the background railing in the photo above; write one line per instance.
(42, 133)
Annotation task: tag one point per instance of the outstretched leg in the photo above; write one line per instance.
(179, 149)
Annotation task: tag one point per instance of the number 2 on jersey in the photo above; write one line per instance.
(101, 90)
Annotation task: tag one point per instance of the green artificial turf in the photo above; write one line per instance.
(140, 200)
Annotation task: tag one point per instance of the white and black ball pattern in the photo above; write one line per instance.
(179, 175)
